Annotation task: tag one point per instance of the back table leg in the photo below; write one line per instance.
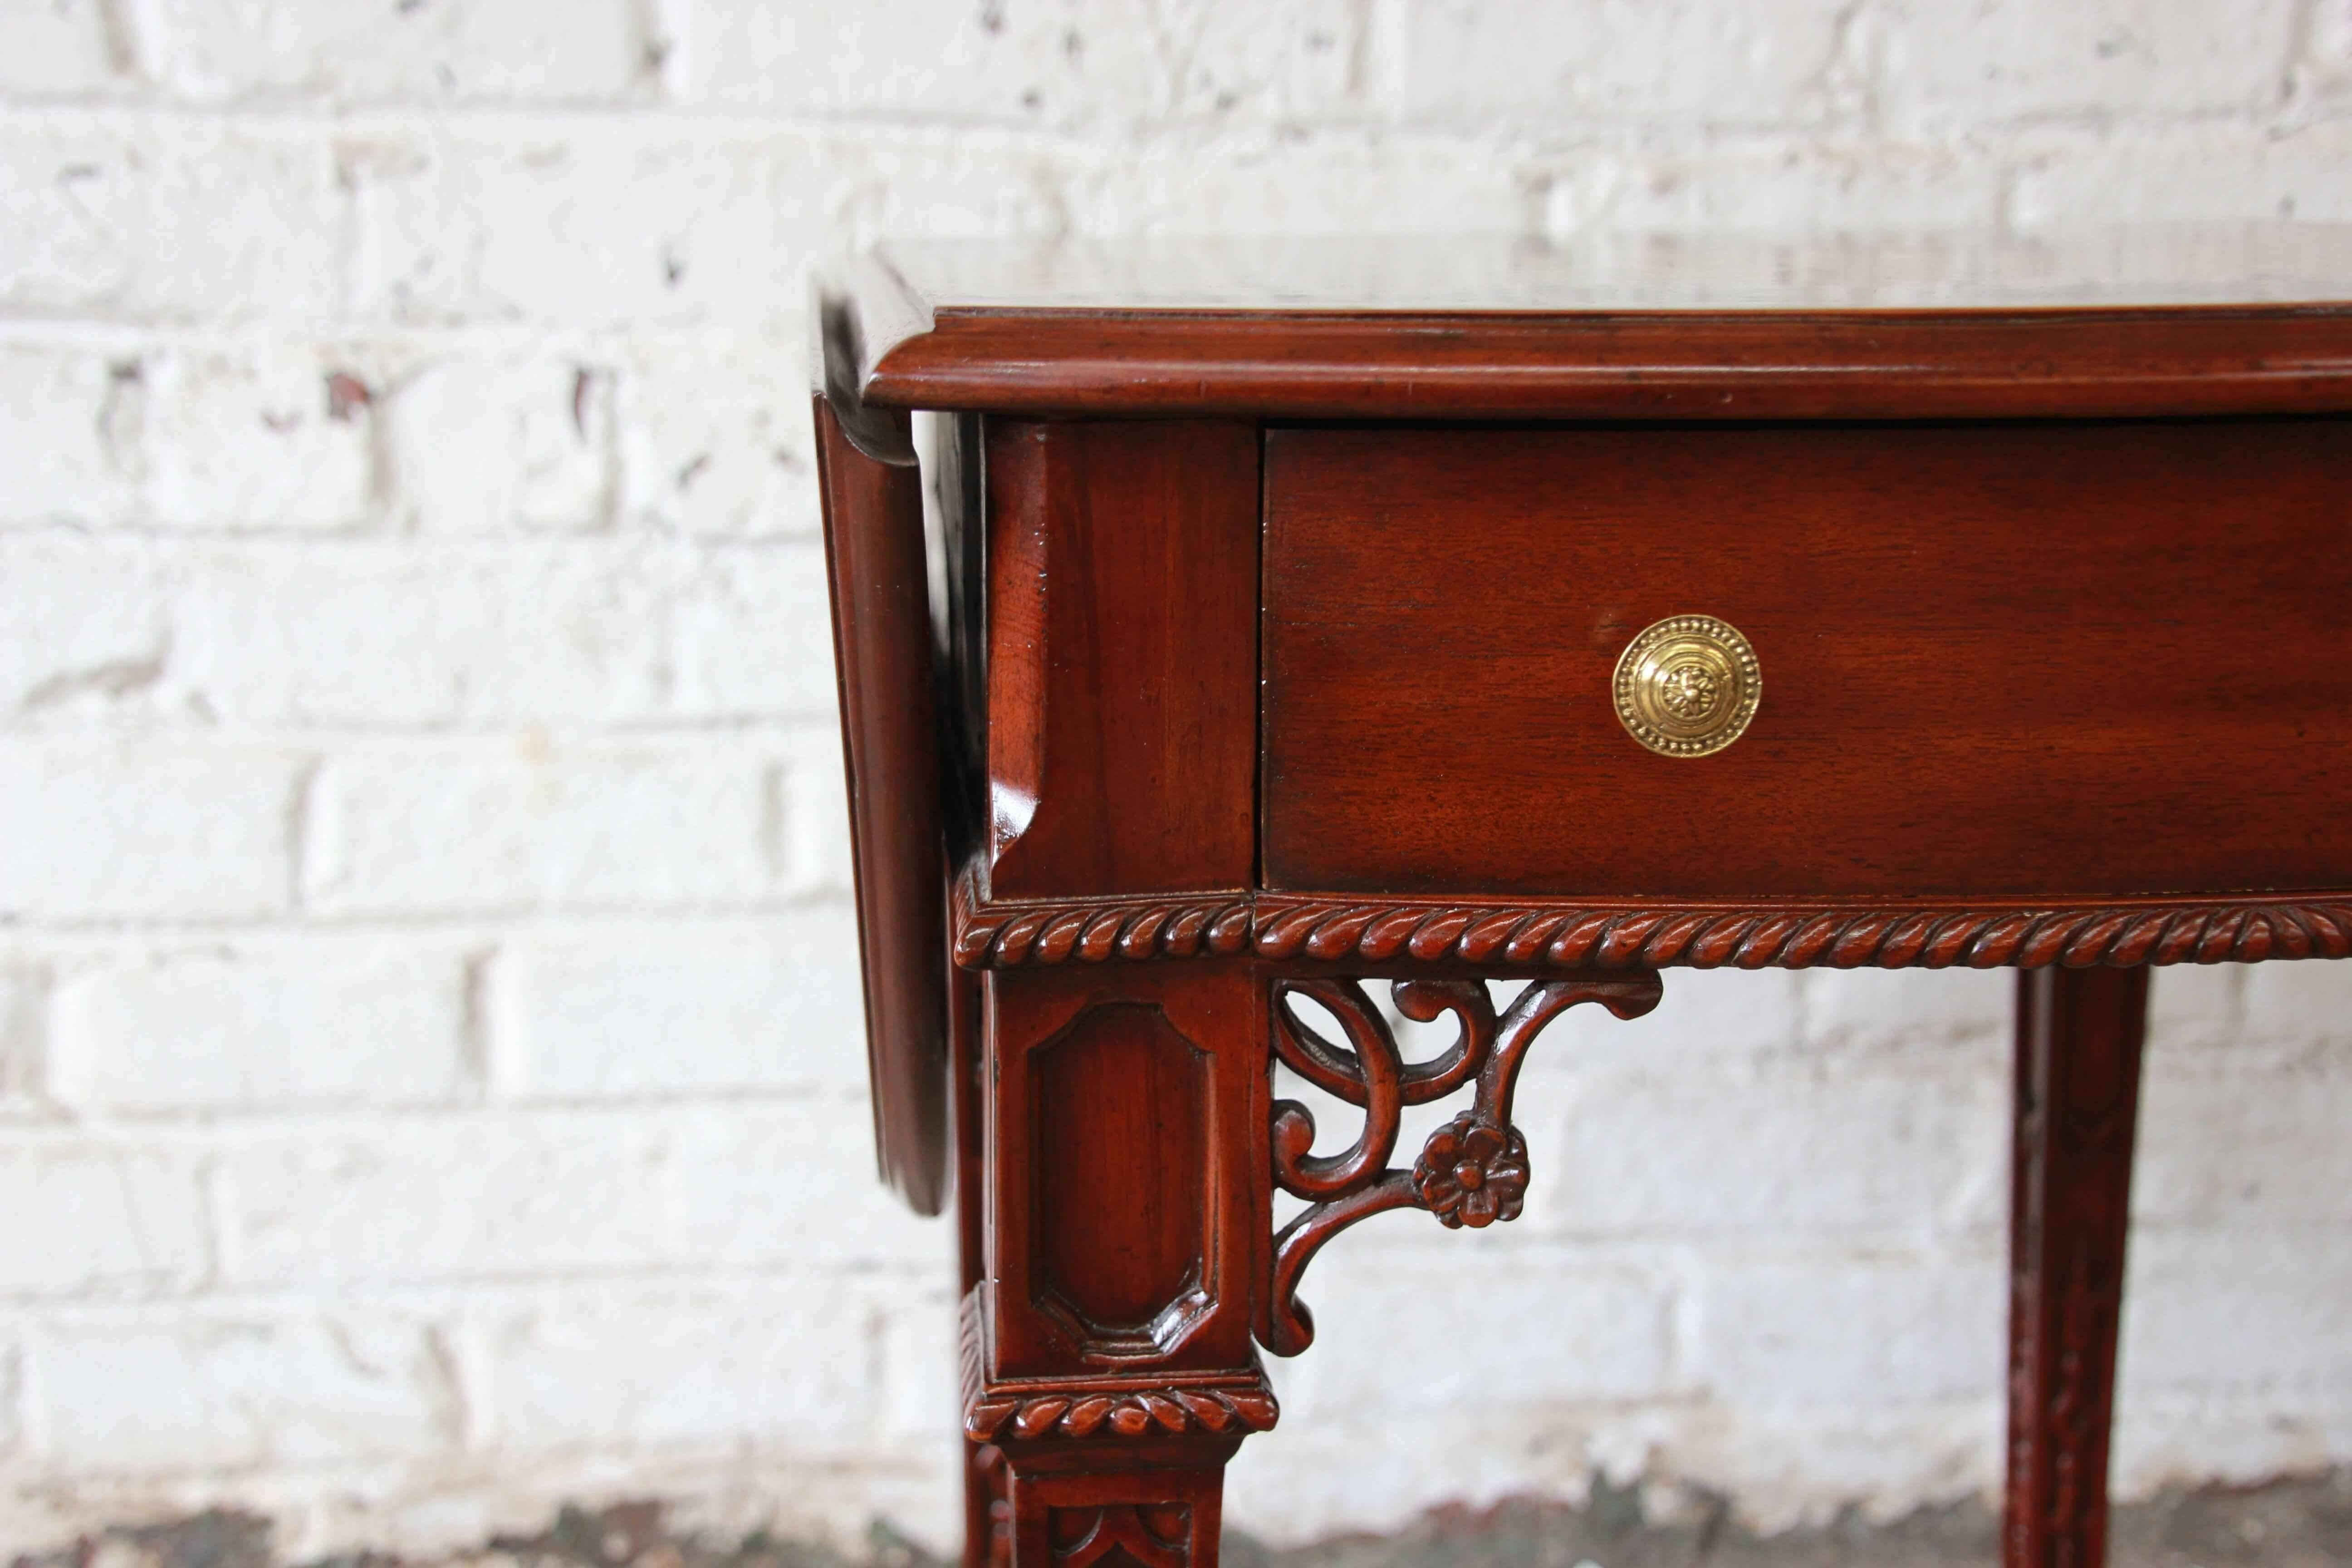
(2078, 1058)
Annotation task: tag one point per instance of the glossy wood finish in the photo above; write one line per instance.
(2078, 1062)
(987, 1510)
(2128, 322)
(1108, 1365)
(882, 655)
(1166, 1513)
(1929, 367)
(1124, 1229)
(2052, 689)
(1122, 670)
(1963, 697)
(1472, 1172)
(1515, 937)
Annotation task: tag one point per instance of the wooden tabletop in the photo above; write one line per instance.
(2149, 321)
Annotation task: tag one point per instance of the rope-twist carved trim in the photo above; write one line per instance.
(1574, 936)
(1108, 1407)
(1794, 939)
(1001, 936)
(1134, 1413)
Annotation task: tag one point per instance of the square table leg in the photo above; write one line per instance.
(2079, 1034)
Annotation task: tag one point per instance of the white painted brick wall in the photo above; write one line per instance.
(430, 1081)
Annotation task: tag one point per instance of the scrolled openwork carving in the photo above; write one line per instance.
(1472, 1172)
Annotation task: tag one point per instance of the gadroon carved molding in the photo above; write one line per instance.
(1582, 935)
(1471, 1172)
(1105, 1404)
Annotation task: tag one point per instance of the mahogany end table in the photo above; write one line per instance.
(1297, 615)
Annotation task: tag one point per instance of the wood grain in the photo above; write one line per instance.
(1127, 1200)
(2078, 1065)
(2062, 663)
(889, 743)
(1122, 694)
(1508, 938)
(1787, 366)
(1107, 1356)
(1122, 1135)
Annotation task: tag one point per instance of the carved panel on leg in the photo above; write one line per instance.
(1127, 1189)
(1108, 1351)
(1161, 1507)
(1470, 1171)
(1120, 1124)
(1124, 1534)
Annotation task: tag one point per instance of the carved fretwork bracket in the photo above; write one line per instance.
(1470, 1171)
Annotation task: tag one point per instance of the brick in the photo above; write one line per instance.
(1807, 1465)
(254, 438)
(595, 223)
(59, 49)
(2196, 1007)
(1784, 1149)
(1027, 64)
(921, 1384)
(91, 1219)
(2007, 59)
(480, 442)
(1847, 1332)
(1307, 1481)
(175, 435)
(628, 1366)
(716, 436)
(501, 825)
(1707, 1018)
(2300, 1003)
(24, 1001)
(2164, 1437)
(1772, 182)
(67, 422)
(2237, 1310)
(378, 633)
(754, 633)
(123, 215)
(514, 1196)
(699, 1007)
(1888, 1008)
(2323, 66)
(468, 50)
(558, 512)
(1605, 1327)
(1483, 65)
(1286, 181)
(2233, 1149)
(85, 625)
(132, 827)
(2212, 174)
(913, 182)
(211, 1390)
(262, 1024)
(12, 1399)
(816, 857)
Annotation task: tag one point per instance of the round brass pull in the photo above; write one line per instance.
(1687, 686)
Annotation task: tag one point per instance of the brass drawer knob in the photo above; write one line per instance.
(1687, 686)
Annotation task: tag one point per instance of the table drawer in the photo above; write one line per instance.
(2057, 660)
